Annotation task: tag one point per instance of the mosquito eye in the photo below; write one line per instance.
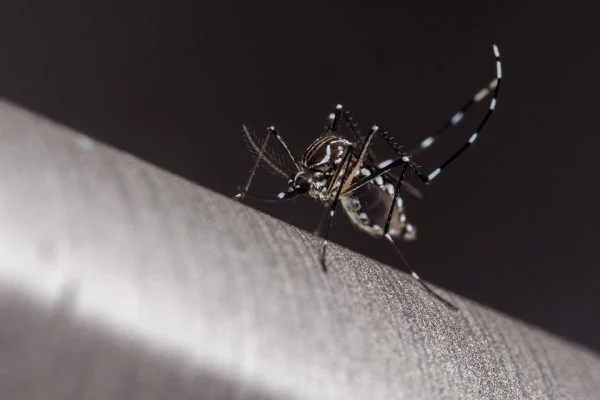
(301, 184)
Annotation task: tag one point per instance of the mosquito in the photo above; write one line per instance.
(334, 170)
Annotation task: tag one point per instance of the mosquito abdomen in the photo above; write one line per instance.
(368, 208)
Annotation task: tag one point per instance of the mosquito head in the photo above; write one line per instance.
(298, 183)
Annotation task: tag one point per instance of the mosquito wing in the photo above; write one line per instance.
(274, 162)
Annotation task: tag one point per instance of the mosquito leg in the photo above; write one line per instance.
(362, 139)
(436, 171)
(335, 122)
(456, 118)
(271, 131)
(389, 238)
(406, 158)
(241, 194)
(364, 151)
(417, 277)
(406, 186)
(274, 132)
(332, 208)
(391, 164)
(358, 135)
(388, 221)
(322, 220)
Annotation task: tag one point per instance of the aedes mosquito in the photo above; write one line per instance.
(336, 170)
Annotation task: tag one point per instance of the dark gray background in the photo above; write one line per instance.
(512, 224)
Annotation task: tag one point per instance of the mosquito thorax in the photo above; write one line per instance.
(325, 153)
(320, 162)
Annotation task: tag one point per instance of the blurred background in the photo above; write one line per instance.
(512, 224)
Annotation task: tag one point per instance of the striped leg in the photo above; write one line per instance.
(456, 118)
(274, 132)
(435, 172)
(334, 119)
(360, 139)
(389, 238)
(333, 126)
(366, 146)
(385, 166)
(388, 221)
(344, 170)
